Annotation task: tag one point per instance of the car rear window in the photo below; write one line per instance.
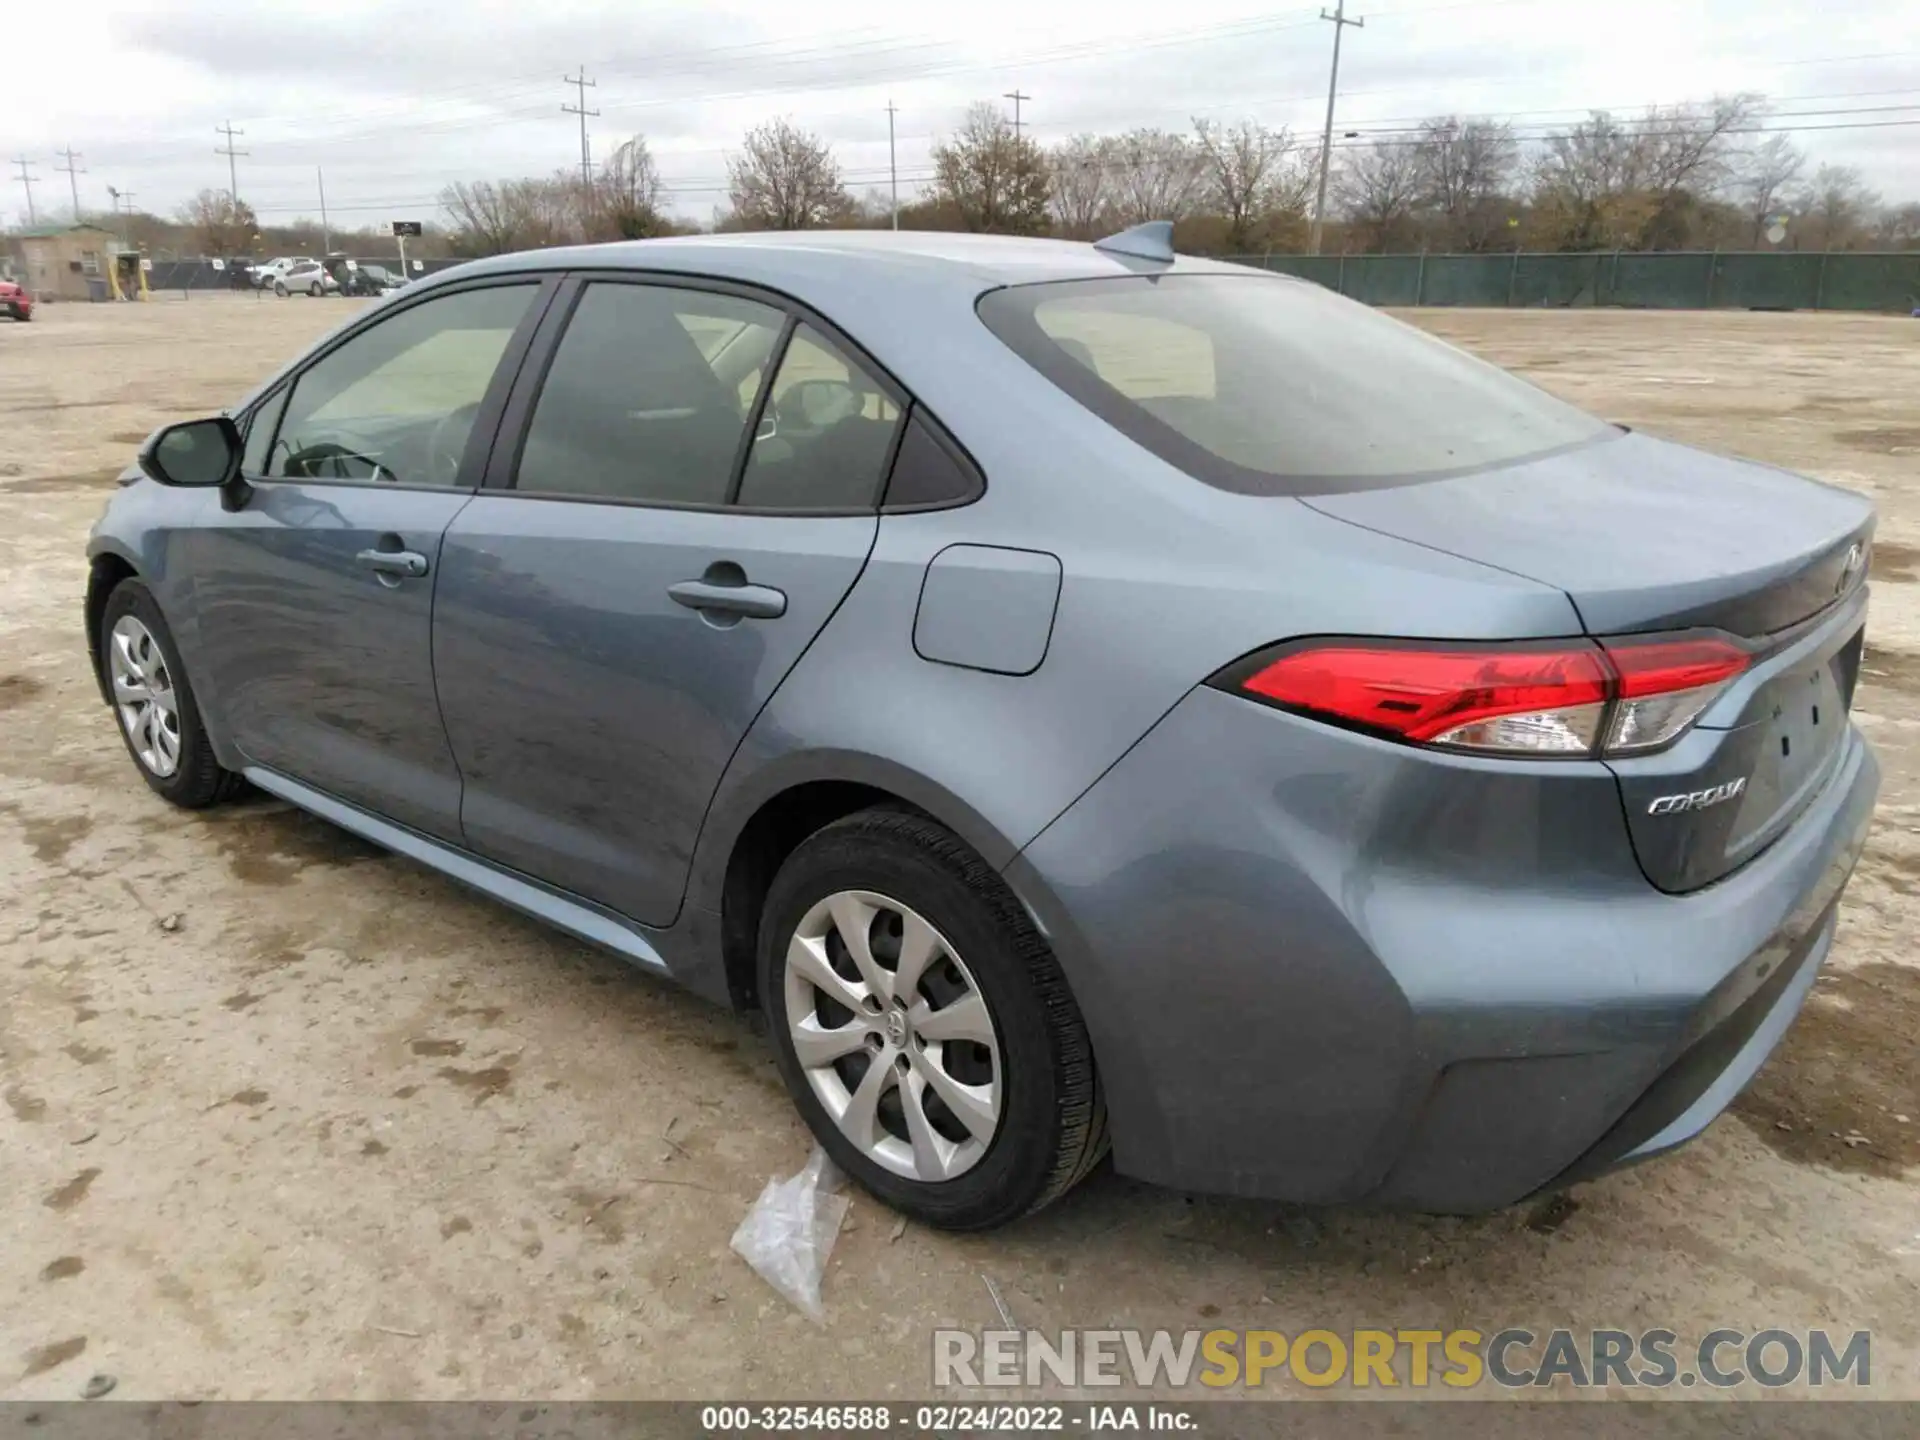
(1265, 385)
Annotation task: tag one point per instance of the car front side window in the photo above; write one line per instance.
(260, 432)
(396, 403)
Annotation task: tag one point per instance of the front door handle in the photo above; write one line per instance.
(756, 602)
(394, 562)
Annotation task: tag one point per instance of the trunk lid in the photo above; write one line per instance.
(1641, 534)
(1647, 536)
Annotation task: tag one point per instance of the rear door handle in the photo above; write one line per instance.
(394, 562)
(756, 602)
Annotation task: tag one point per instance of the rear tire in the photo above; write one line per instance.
(154, 705)
(315, 291)
(952, 950)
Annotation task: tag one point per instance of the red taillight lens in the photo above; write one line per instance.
(1571, 698)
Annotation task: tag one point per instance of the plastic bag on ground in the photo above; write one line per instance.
(789, 1233)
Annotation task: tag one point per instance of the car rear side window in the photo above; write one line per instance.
(930, 471)
(1270, 386)
(824, 434)
(648, 396)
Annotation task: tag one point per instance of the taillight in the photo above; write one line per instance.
(1563, 698)
(1663, 688)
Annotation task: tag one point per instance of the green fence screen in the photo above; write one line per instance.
(1665, 280)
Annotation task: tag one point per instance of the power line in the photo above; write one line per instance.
(73, 184)
(1340, 23)
(29, 181)
(709, 185)
(314, 137)
(582, 84)
(233, 174)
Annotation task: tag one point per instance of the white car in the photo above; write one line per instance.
(305, 277)
(264, 275)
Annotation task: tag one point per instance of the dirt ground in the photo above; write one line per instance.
(342, 1128)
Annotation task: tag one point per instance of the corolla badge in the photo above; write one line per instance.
(1697, 799)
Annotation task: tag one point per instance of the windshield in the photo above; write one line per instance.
(1270, 386)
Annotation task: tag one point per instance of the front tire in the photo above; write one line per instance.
(154, 704)
(923, 1026)
(280, 289)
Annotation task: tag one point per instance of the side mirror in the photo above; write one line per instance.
(199, 454)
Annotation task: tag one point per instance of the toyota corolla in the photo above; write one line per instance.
(1081, 697)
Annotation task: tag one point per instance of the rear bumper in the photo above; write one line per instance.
(1325, 968)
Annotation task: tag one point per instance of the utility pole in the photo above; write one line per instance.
(73, 185)
(1340, 22)
(893, 167)
(122, 202)
(29, 181)
(582, 84)
(326, 230)
(233, 174)
(1017, 97)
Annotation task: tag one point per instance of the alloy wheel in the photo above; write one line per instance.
(144, 696)
(893, 1035)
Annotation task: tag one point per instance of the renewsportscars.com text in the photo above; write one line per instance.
(1512, 1358)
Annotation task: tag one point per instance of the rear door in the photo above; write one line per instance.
(314, 601)
(645, 565)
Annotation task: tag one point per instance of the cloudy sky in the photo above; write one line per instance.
(392, 101)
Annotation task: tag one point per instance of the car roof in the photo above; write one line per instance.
(833, 258)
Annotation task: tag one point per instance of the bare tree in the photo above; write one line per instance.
(1608, 183)
(785, 178)
(1378, 188)
(1466, 171)
(1899, 227)
(1688, 147)
(1155, 175)
(219, 224)
(1765, 173)
(1588, 185)
(623, 202)
(1081, 187)
(993, 177)
(1835, 206)
(494, 217)
(1250, 172)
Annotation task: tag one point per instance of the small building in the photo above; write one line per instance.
(56, 262)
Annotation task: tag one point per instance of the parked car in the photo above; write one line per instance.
(15, 301)
(272, 270)
(1076, 694)
(305, 277)
(241, 275)
(354, 278)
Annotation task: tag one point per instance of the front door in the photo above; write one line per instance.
(313, 603)
(606, 630)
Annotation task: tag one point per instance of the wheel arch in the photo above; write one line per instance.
(759, 822)
(105, 571)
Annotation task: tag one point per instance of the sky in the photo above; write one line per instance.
(387, 103)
